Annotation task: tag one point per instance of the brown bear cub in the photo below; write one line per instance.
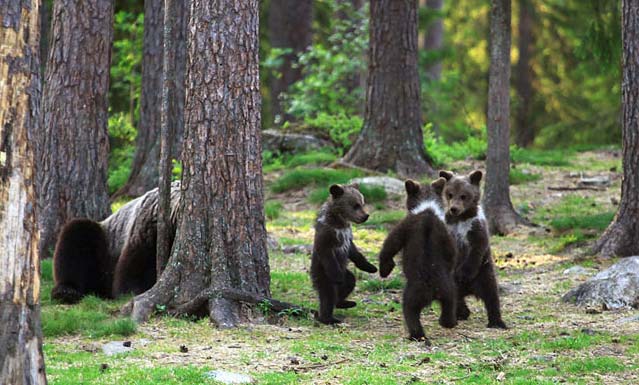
(333, 247)
(428, 257)
(475, 272)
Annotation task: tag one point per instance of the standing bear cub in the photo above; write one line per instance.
(475, 272)
(428, 257)
(333, 247)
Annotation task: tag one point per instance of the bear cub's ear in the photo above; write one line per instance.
(412, 187)
(438, 185)
(355, 185)
(475, 177)
(336, 190)
(448, 175)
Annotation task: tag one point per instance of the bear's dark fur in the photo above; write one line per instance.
(333, 247)
(475, 272)
(428, 257)
(112, 257)
(81, 262)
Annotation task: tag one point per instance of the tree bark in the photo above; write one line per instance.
(72, 177)
(166, 138)
(45, 26)
(221, 238)
(525, 131)
(144, 170)
(620, 238)
(499, 209)
(434, 39)
(392, 138)
(21, 359)
(289, 24)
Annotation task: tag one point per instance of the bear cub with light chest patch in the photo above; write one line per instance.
(333, 247)
(475, 272)
(428, 257)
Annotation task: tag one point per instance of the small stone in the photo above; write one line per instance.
(391, 185)
(184, 349)
(324, 357)
(602, 180)
(115, 347)
(615, 340)
(592, 310)
(294, 360)
(588, 332)
(104, 367)
(127, 344)
(229, 378)
(576, 270)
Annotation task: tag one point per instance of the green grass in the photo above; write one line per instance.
(273, 209)
(300, 178)
(379, 218)
(372, 194)
(273, 162)
(541, 157)
(517, 176)
(599, 365)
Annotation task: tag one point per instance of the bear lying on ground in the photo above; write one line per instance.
(428, 257)
(333, 247)
(475, 272)
(112, 257)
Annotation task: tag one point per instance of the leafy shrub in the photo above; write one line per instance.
(442, 153)
(541, 157)
(122, 137)
(273, 209)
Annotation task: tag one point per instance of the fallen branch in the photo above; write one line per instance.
(274, 305)
(319, 366)
(571, 188)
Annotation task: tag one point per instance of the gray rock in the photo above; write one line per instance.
(614, 288)
(602, 180)
(576, 270)
(391, 185)
(297, 249)
(229, 377)
(510, 288)
(634, 318)
(115, 347)
(278, 141)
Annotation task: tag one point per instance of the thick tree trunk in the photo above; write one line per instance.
(525, 131)
(621, 237)
(21, 360)
(221, 237)
(72, 155)
(163, 250)
(144, 170)
(434, 39)
(497, 205)
(289, 24)
(45, 26)
(392, 138)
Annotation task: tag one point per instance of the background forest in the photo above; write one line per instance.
(565, 91)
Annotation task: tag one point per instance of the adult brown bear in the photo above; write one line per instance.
(112, 257)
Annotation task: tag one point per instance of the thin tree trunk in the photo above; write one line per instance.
(144, 170)
(525, 131)
(620, 238)
(392, 138)
(166, 139)
(497, 205)
(289, 24)
(21, 359)
(72, 177)
(434, 39)
(221, 238)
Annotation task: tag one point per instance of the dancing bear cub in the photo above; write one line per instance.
(475, 272)
(428, 257)
(333, 247)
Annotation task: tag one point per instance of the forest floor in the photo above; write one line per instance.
(548, 341)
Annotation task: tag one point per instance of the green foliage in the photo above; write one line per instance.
(122, 139)
(273, 209)
(126, 62)
(340, 127)
(299, 178)
(442, 153)
(379, 218)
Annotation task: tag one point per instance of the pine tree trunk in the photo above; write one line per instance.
(392, 138)
(525, 131)
(73, 153)
(163, 249)
(289, 25)
(620, 238)
(497, 205)
(434, 39)
(144, 170)
(21, 359)
(221, 238)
